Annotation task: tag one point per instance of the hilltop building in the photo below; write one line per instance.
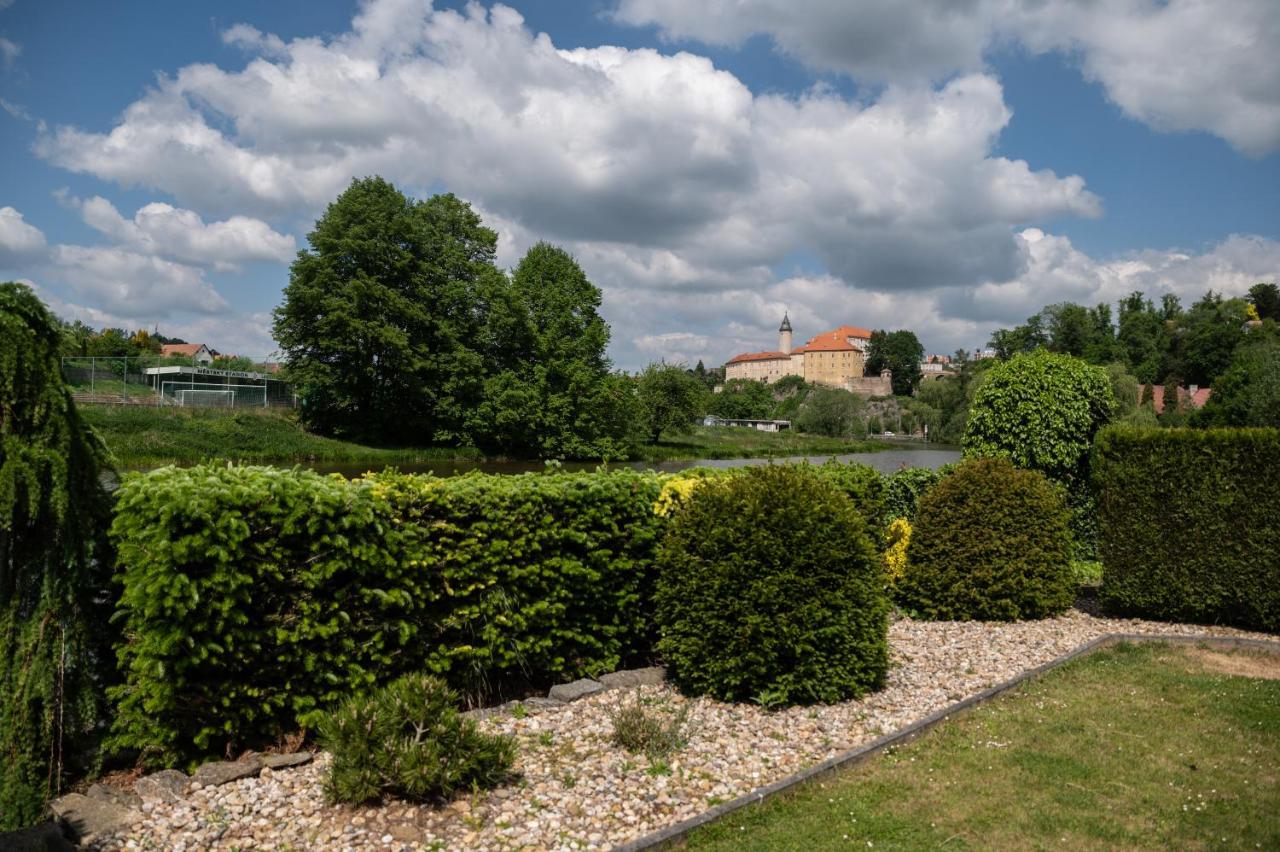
(197, 352)
(833, 358)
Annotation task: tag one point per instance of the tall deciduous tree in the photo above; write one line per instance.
(382, 314)
(899, 351)
(1265, 299)
(53, 569)
(670, 399)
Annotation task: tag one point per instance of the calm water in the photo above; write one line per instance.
(885, 461)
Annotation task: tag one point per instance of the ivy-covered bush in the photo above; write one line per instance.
(255, 598)
(1042, 410)
(770, 590)
(991, 543)
(902, 490)
(408, 740)
(1190, 524)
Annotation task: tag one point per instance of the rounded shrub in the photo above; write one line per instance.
(408, 740)
(769, 589)
(991, 543)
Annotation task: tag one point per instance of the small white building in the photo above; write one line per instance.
(197, 352)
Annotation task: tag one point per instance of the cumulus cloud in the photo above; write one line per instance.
(1177, 65)
(122, 281)
(171, 232)
(667, 158)
(19, 241)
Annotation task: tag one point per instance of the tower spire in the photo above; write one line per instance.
(784, 334)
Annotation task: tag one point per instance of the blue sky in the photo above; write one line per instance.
(851, 162)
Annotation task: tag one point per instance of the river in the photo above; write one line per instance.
(885, 461)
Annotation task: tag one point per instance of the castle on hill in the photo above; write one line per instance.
(833, 358)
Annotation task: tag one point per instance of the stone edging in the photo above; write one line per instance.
(674, 834)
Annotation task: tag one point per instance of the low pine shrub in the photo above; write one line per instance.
(1189, 524)
(991, 543)
(865, 487)
(769, 589)
(408, 740)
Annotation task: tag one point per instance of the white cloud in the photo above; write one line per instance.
(171, 232)
(664, 158)
(124, 281)
(1178, 65)
(9, 52)
(19, 241)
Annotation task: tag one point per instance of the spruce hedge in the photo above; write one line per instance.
(770, 590)
(255, 598)
(1190, 524)
(991, 542)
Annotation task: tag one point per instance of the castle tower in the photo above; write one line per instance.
(784, 335)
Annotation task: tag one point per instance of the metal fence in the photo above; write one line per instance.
(125, 381)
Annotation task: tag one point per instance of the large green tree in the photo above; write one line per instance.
(1248, 392)
(743, 399)
(670, 399)
(899, 351)
(53, 569)
(1265, 299)
(383, 312)
(1208, 334)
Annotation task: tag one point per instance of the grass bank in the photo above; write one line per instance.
(1147, 746)
(736, 442)
(145, 436)
(142, 436)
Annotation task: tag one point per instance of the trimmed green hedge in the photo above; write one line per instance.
(1190, 524)
(254, 597)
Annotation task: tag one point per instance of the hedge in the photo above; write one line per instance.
(1189, 524)
(254, 597)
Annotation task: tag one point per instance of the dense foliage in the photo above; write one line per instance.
(670, 400)
(1189, 525)
(903, 489)
(53, 635)
(408, 740)
(1041, 410)
(770, 590)
(398, 327)
(991, 543)
(1248, 393)
(899, 351)
(743, 398)
(253, 598)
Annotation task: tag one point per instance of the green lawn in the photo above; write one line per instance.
(142, 436)
(1135, 747)
(145, 436)
(737, 442)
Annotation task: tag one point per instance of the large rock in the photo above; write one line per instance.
(225, 771)
(45, 837)
(115, 795)
(167, 785)
(580, 688)
(651, 676)
(284, 761)
(86, 817)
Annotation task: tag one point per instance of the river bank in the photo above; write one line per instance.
(144, 437)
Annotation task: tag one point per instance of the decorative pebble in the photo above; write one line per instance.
(614, 797)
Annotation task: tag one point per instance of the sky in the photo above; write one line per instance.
(946, 167)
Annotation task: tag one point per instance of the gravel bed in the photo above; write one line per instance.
(577, 790)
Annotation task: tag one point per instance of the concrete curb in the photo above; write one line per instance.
(674, 834)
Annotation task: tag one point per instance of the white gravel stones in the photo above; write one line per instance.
(577, 790)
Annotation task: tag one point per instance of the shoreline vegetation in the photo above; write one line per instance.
(140, 437)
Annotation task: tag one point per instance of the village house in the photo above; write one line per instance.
(197, 352)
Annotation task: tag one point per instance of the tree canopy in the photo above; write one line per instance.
(899, 351)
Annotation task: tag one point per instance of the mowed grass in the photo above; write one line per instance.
(1135, 747)
(739, 442)
(143, 436)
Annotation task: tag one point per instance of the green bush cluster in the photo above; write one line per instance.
(903, 489)
(254, 598)
(770, 590)
(991, 542)
(1189, 524)
(408, 740)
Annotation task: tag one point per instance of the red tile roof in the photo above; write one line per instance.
(1185, 397)
(187, 349)
(837, 340)
(757, 356)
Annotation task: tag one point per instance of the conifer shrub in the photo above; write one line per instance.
(1189, 524)
(769, 589)
(408, 740)
(990, 543)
